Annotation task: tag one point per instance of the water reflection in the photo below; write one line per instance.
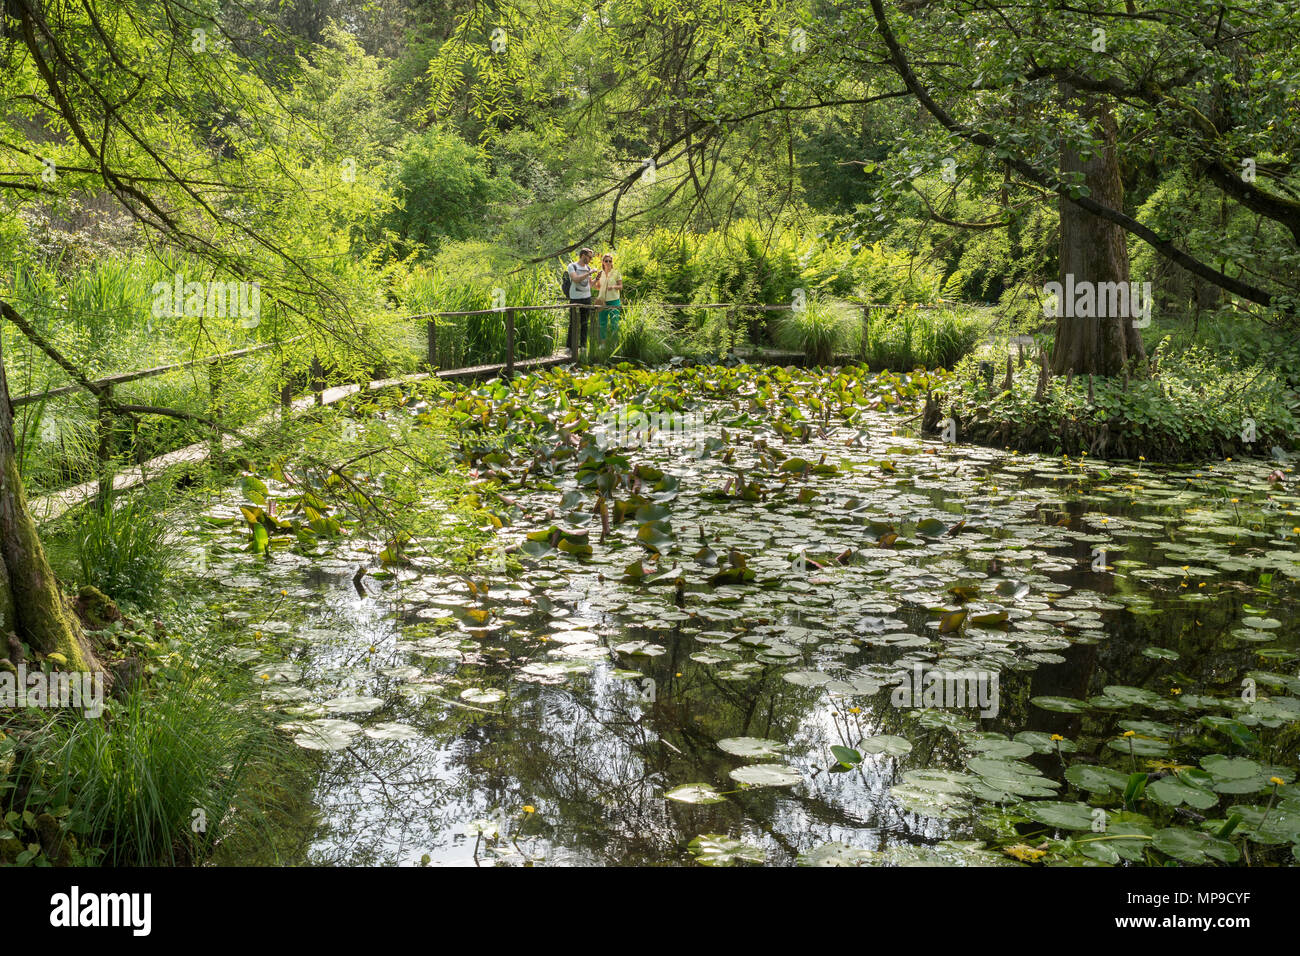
(558, 719)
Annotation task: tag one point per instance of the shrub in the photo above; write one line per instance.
(133, 779)
(909, 338)
(821, 330)
(749, 264)
(1193, 408)
(464, 278)
(445, 190)
(123, 549)
(641, 333)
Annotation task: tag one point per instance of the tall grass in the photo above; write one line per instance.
(471, 276)
(821, 330)
(641, 335)
(101, 318)
(907, 338)
(122, 548)
(155, 779)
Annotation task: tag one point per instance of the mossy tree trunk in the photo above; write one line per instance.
(31, 602)
(1095, 251)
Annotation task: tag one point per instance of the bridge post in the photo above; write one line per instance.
(214, 397)
(510, 343)
(318, 380)
(105, 451)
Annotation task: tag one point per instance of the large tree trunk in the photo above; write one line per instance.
(1095, 251)
(31, 602)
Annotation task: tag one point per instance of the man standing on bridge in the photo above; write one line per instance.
(579, 298)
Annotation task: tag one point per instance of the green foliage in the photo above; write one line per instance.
(123, 549)
(444, 190)
(151, 781)
(641, 334)
(908, 338)
(1236, 339)
(821, 330)
(471, 276)
(1194, 406)
(747, 263)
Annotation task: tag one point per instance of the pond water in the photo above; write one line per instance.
(725, 663)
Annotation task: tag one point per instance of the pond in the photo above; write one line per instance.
(697, 642)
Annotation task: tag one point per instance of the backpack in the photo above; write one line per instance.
(565, 281)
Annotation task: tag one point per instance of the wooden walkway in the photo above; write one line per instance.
(48, 507)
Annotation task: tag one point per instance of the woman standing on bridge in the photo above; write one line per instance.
(609, 291)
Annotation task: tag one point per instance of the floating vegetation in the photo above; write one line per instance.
(739, 616)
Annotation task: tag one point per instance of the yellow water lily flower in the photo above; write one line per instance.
(1023, 853)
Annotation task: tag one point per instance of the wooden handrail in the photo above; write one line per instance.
(663, 305)
(122, 377)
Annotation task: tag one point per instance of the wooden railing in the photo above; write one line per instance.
(215, 363)
(105, 386)
(508, 314)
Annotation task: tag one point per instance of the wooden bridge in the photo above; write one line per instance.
(49, 506)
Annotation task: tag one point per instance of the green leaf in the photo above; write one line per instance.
(846, 756)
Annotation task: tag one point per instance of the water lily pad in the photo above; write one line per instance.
(1230, 768)
(640, 649)
(713, 849)
(1173, 792)
(1194, 847)
(754, 748)
(1061, 705)
(887, 744)
(695, 793)
(479, 695)
(806, 678)
(354, 704)
(1044, 744)
(391, 731)
(837, 854)
(1096, 779)
(1139, 746)
(327, 735)
(766, 775)
(1010, 749)
(1063, 816)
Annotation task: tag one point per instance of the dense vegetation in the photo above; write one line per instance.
(889, 195)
